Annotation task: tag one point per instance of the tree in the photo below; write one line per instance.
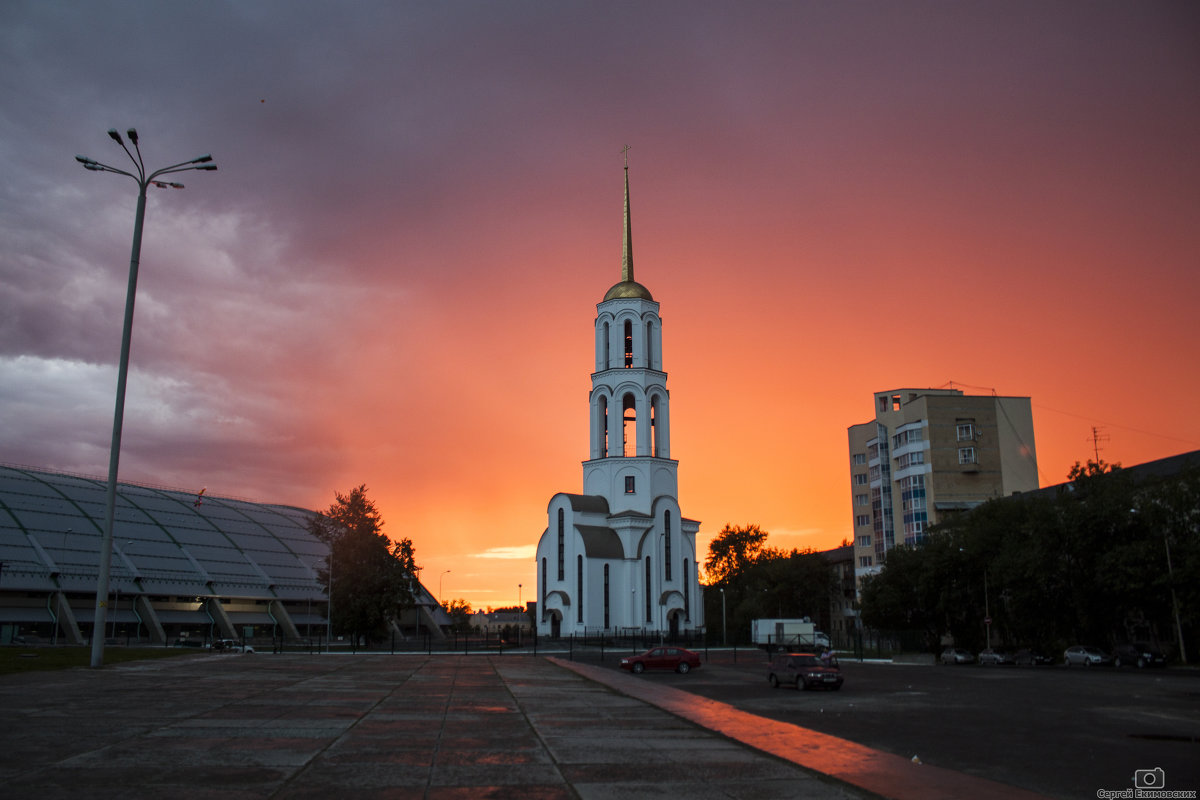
(460, 615)
(732, 551)
(755, 581)
(370, 578)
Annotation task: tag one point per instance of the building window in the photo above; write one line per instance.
(883, 404)
(875, 474)
(858, 458)
(579, 589)
(667, 545)
(628, 344)
(903, 438)
(910, 459)
(630, 484)
(862, 519)
(966, 455)
(629, 427)
(607, 348)
(864, 541)
(649, 590)
(562, 535)
(860, 479)
(543, 588)
(966, 430)
(687, 593)
(606, 625)
(860, 500)
(864, 561)
(873, 452)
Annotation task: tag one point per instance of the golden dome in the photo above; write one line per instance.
(628, 289)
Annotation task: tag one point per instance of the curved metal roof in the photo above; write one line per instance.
(165, 542)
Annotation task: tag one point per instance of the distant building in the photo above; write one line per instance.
(929, 453)
(495, 622)
(621, 556)
(841, 618)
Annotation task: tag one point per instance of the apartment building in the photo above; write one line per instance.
(929, 453)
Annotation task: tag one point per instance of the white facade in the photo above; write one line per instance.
(621, 556)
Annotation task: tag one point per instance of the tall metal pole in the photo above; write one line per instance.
(143, 181)
(114, 455)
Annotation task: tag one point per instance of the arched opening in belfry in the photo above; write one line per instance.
(607, 348)
(602, 421)
(649, 346)
(628, 343)
(629, 426)
(654, 426)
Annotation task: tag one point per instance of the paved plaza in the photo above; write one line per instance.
(441, 726)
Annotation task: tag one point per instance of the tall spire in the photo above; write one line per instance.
(627, 240)
(628, 287)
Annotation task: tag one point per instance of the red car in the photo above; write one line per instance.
(676, 658)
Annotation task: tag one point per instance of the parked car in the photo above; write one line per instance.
(230, 646)
(992, 656)
(1139, 654)
(956, 655)
(1087, 656)
(804, 671)
(1031, 658)
(675, 658)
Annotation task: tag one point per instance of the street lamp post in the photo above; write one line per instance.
(440, 599)
(143, 181)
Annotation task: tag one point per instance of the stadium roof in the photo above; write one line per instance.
(165, 542)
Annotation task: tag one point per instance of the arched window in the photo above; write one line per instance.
(607, 348)
(649, 590)
(562, 535)
(606, 623)
(579, 589)
(543, 587)
(628, 343)
(654, 426)
(687, 592)
(667, 544)
(649, 347)
(602, 421)
(628, 426)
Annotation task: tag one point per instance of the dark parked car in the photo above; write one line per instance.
(676, 658)
(956, 655)
(1031, 658)
(991, 656)
(1139, 654)
(804, 671)
(1087, 656)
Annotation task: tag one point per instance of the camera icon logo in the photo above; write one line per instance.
(1149, 778)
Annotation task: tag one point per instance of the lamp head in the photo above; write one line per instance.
(116, 137)
(132, 134)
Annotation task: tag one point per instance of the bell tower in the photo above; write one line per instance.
(621, 556)
(630, 460)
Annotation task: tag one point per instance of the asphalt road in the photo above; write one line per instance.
(1062, 732)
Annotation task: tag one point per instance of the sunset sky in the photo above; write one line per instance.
(392, 278)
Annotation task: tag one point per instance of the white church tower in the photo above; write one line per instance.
(621, 557)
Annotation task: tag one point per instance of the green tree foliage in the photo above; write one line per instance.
(732, 552)
(373, 578)
(760, 582)
(1086, 566)
(460, 615)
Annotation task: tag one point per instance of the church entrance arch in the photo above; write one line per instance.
(673, 620)
(555, 624)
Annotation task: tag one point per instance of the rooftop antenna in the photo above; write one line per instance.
(1097, 438)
